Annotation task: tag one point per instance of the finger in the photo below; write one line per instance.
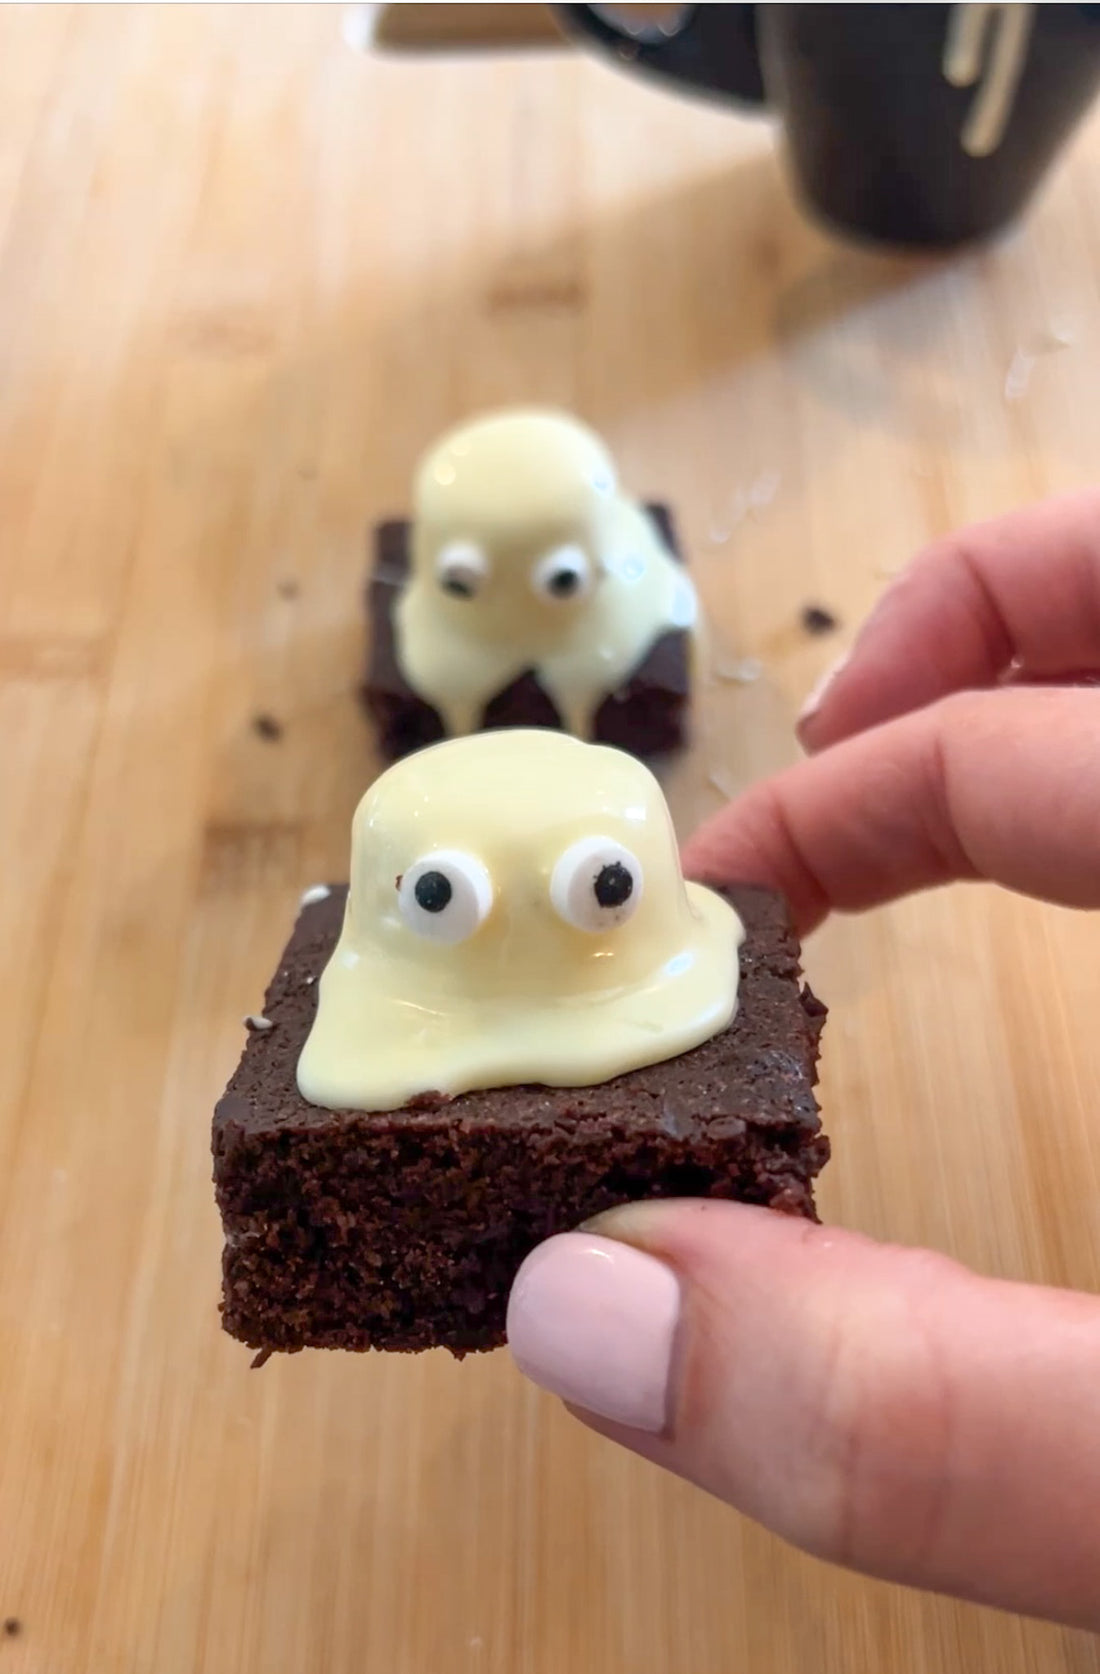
(1024, 589)
(882, 1408)
(1079, 677)
(997, 785)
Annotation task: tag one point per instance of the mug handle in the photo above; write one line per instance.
(688, 56)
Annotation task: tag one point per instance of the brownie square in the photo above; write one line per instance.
(646, 716)
(404, 1230)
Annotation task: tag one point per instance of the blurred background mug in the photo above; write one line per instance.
(912, 124)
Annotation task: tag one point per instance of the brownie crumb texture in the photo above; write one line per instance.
(404, 1230)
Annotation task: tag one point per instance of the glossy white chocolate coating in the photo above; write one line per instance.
(527, 995)
(506, 500)
(969, 58)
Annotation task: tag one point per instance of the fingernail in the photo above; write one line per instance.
(594, 1321)
(817, 696)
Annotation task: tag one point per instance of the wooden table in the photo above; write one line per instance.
(245, 274)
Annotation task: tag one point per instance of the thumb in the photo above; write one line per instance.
(881, 1407)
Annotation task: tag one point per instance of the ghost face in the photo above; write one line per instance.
(511, 526)
(525, 557)
(516, 914)
(540, 577)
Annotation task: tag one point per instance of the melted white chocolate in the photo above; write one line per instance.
(524, 976)
(505, 494)
(964, 52)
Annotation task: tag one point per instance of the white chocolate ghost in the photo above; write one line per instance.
(516, 914)
(524, 555)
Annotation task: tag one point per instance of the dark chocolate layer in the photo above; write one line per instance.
(404, 1230)
(646, 716)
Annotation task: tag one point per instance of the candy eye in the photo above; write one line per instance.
(564, 573)
(596, 885)
(461, 568)
(445, 895)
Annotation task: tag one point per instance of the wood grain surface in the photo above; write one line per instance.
(245, 274)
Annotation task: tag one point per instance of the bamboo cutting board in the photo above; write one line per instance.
(245, 274)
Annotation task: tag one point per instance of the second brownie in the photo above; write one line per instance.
(647, 716)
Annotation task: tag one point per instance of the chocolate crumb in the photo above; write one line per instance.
(267, 727)
(817, 620)
(257, 1025)
(261, 1359)
(288, 588)
(13, 1627)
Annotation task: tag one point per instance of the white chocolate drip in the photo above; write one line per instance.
(965, 49)
(534, 978)
(498, 499)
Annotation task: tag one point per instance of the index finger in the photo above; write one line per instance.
(1023, 590)
(996, 785)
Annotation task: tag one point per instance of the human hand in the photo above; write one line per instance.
(881, 1407)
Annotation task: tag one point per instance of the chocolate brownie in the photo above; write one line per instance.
(647, 716)
(405, 1230)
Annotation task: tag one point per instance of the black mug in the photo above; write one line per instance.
(911, 124)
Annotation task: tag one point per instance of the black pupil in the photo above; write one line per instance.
(613, 885)
(458, 584)
(433, 891)
(563, 583)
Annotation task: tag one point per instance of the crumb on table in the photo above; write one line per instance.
(817, 620)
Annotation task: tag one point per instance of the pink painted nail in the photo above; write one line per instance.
(817, 696)
(594, 1321)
